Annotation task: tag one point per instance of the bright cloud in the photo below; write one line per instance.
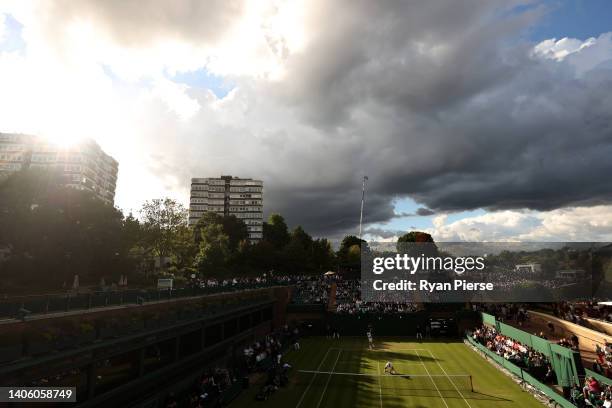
(2, 27)
(560, 49)
(583, 56)
(567, 224)
(442, 102)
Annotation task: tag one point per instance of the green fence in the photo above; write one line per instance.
(598, 377)
(489, 319)
(566, 363)
(522, 374)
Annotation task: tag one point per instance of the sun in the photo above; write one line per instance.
(64, 140)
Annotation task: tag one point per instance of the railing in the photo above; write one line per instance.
(19, 307)
(600, 325)
(118, 330)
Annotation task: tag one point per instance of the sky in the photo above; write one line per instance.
(473, 120)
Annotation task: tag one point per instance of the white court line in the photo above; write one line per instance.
(366, 374)
(449, 378)
(432, 380)
(312, 380)
(329, 378)
(379, 382)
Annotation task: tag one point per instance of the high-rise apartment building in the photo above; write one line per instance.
(229, 195)
(83, 166)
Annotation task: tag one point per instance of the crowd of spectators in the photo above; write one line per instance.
(268, 357)
(349, 301)
(312, 289)
(592, 394)
(513, 281)
(519, 354)
(517, 313)
(387, 308)
(263, 356)
(348, 297)
(347, 291)
(603, 362)
(577, 312)
(206, 391)
(247, 281)
(259, 355)
(508, 278)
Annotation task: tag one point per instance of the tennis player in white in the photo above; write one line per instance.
(389, 368)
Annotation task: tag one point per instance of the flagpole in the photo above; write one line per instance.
(362, 201)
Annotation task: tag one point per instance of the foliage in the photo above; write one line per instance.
(53, 232)
(214, 248)
(162, 221)
(424, 244)
(323, 257)
(275, 231)
(349, 253)
(415, 236)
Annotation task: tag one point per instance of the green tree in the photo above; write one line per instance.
(214, 250)
(301, 238)
(53, 232)
(132, 231)
(275, 231)
(163, 220)
(185, 250)
(223, 243)
(206, 220)
(347, 242)
(416, 243)
(349, 253)
(236, 231)
(297, 254)
(262, 256)
(416, 236)
(323, 257)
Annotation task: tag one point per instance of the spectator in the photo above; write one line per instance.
(512, 350)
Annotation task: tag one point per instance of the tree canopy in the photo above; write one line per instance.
(51, 232)
(275, 231)
(424, 244)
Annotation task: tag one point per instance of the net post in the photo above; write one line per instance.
(471, 384)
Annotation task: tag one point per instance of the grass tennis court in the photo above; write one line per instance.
(344, 373)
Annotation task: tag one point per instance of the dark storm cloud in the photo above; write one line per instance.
(420, 212)
(407, 56)
(424, 212)
(452, 108)
(548, 151)
(440, 101)
(327, 214)
(383, 233)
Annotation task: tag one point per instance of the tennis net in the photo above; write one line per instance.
(450, 382)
